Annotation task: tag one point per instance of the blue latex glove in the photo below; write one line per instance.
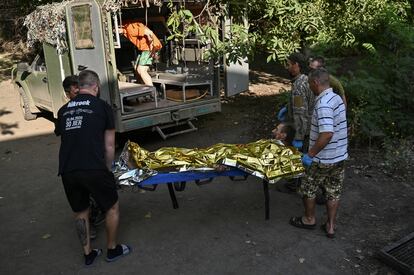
(307, 160)
(113, 166)
(298, 144)
(281, 115)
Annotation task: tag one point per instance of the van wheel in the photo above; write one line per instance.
(24, 104)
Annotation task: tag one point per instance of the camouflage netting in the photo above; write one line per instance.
(115, 5)
(47, 23)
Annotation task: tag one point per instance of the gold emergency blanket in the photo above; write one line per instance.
(264, 158)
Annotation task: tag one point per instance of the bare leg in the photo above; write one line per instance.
(331, 208)
(143, 73)
(82, 228)
(111, 222)
(309, 210)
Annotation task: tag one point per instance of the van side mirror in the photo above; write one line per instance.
(82, 67)
(23, 66)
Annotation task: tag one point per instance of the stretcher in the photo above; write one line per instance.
(268, 160)
(176, 181)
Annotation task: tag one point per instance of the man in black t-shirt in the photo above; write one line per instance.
(87, 130)
(71, 87)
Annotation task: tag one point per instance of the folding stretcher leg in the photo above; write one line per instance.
(266, 194)
(172, 195)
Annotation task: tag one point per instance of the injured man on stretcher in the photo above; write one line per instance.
(267, 159)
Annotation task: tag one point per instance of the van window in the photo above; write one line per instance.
(82, 26)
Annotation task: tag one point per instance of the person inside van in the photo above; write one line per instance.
(147, 43)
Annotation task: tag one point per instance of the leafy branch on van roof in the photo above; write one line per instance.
(209, 25)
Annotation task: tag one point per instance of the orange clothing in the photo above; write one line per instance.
(135, 32)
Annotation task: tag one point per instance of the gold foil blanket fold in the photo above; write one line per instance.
(264, 158)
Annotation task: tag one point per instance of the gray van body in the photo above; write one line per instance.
(185, 85)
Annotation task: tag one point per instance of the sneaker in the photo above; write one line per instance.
(119, 251)
(90, 258)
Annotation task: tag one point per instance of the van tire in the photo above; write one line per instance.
(24, 104)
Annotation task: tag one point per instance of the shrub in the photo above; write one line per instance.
(380, 92)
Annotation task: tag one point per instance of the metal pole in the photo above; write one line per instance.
(266, 194)
(172, 195)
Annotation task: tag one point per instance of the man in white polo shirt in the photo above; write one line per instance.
(325, 159)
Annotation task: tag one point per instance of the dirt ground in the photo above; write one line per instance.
(219, 228)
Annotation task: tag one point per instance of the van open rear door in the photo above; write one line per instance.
(236, 75)
(236, 78)
(85, 35)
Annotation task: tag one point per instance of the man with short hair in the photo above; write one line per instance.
(299, 109)
(301, 99)
(71, 86)
(86, 127)
(284, 132)
(327, 152)
(318, 62)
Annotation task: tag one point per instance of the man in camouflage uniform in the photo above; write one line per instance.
(301, 102)
(300, 107)
(328, 144)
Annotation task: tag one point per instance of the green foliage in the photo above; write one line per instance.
(280, 27)
(27, 6)
(284, 26)
(181, 23)
(380, 92)
(235, 45)
(11, 25)
(380, 32)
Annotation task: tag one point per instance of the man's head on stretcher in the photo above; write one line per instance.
(285, 132)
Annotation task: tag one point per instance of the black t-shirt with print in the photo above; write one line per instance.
(81, 124)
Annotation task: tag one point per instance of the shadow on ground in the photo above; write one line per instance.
(7, 128)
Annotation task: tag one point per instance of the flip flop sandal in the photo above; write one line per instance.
(329, 235)
(119, 251)
(298, 222)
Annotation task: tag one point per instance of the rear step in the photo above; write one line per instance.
(159, 129)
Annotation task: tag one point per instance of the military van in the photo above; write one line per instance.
(84, 34)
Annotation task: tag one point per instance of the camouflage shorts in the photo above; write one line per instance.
(329, 177)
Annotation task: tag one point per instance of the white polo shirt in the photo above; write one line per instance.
(329, 115)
